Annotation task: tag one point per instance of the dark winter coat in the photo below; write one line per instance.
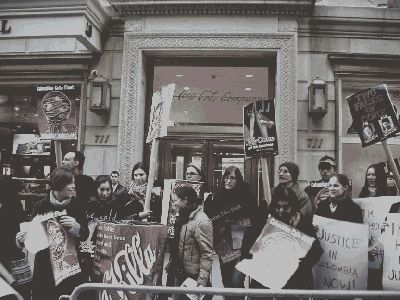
(346, 210)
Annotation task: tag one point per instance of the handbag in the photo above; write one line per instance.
(20, 269)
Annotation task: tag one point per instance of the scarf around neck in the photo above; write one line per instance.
(58, 204)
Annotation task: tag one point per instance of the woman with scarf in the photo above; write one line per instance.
(339, 205)
(70, 225)
(192, 246)
(232, 205)
(288, 173)
(137, 192)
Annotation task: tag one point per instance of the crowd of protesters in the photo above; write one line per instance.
(199, 223)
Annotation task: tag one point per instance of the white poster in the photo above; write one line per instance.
(391, 261)
(279, 247)
(344, 263)
(375, 210)
(160, 109)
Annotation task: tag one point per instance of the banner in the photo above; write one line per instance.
(344, 263)
(375, 211)
(373, 115)
(391, 261)
(259, 129)
(160, 109)
(128, 255)
(276, 254)
(169, 210)
(58, 111)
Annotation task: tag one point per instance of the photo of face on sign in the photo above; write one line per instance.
(368, 133)
(386, 124)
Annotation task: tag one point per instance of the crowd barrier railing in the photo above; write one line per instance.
(235, 292)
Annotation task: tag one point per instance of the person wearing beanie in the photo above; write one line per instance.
(288, 174)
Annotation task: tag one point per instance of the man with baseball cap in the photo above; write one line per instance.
(327, 168)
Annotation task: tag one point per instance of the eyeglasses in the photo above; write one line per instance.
(283, 172)
(231, 178)
(191, 174)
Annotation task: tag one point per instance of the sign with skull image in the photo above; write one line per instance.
(58, 107)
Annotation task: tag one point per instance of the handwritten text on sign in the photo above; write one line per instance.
(344, 263)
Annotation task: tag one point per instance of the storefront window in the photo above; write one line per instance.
(30, 118)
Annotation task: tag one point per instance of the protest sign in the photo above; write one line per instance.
(375, 211)
(391, 261)
(279, 247)
(63, 255)
(344, 263)
(318, 192)
(128, 255)
(259, 129)
(58, 111)
(169, 211)
(373, 115)
(159, 114)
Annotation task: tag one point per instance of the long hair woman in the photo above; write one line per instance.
(375, 183)
(233, 204)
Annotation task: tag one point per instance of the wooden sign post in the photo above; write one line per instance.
(152, 172)
(392, 165)
(265, 180)
(58, 152)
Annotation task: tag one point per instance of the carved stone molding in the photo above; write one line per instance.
(137, 45)
(287, 25)
(134, 25)
(215, 7)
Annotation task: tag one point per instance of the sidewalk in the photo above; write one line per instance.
(216, 274)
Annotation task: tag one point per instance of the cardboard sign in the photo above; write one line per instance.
(375, 211)
(259, 129)
(128, 255)
(58, 111)
(344, 263)
(160, 109)
(276, 254)
(169, 210)
(391, 261)
(373, 115)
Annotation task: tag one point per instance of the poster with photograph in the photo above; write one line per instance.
(30, 145)
(318, 192)
(159, 114)
(344, 263)
(375, 211)
(169, 211)
(259, 129)
(374, 117)
(128, 255)
(391, 261)
(63, 255)
(58, 111)
(279, 247)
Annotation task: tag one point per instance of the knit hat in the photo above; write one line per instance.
(293, 169)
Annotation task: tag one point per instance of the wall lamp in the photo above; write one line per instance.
(99, 93)
(317, 98)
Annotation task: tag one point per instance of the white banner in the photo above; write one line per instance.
(344, 263)
(276, 254)
(391, 261)
(375, 210)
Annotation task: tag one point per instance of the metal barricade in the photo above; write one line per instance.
(236, 292)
